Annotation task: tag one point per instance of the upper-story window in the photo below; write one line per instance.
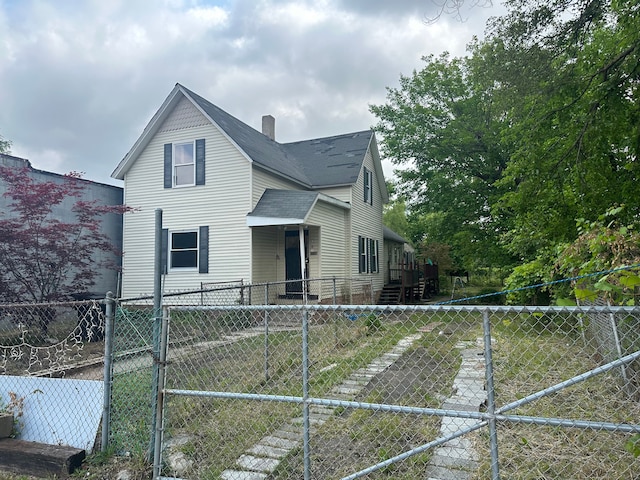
(368, 186)
(184, 164)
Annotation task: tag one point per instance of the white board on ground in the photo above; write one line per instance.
(56, 411)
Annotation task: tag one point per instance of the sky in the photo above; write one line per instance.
(80, 79)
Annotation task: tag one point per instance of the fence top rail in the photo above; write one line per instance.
(237, 284)
(413, 308)
(70, 303)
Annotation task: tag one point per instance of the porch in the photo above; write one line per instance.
(409, 283)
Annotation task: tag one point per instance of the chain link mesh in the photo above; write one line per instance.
(51, 370)
(340, 391)
(389, 388)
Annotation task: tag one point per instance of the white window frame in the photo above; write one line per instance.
(373, 256)
(363, 257)
(175, 165)
(172, 250)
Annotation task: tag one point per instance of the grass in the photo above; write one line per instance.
(531, 354)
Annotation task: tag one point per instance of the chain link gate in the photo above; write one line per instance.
(441, 392)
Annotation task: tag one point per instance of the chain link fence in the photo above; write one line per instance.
(137, 340)
(51, 371)
(243, 390)
(327, 392)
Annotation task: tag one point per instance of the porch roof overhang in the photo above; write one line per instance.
(288, 207)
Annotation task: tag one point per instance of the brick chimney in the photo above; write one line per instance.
(269, 126)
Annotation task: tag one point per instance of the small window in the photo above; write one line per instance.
(184, 165)
(373, 249)
(184, 250)
(368, 186)
(362, 251)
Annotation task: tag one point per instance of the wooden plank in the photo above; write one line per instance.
(38, 459)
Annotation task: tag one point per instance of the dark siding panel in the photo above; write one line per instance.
(203, 250)
(168, 166)
(200, 156)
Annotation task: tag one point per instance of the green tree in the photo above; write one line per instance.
(574, 130)
(499, 152)
(442, 131)
(5, 145)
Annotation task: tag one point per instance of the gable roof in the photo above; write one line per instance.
(323, 162)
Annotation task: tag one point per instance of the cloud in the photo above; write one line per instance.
(80, 80)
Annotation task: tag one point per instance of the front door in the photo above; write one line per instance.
(292, 260)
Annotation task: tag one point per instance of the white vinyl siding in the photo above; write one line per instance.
(262, 180)
(332, 246)
(366, 219)
(221, 204)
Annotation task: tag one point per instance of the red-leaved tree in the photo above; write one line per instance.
(44, 258)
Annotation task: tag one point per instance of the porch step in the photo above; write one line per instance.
(390, 295)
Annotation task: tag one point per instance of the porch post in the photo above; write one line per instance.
(303, 263)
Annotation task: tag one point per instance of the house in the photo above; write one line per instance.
(237, 204)
(111, 224)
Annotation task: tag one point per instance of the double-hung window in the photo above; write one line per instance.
(373, 255)
(368, 256)
(362, 254)
(183, 250)
(186, 249)
(184, 164)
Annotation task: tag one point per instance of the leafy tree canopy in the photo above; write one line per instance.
(499, 152)
(44, 258)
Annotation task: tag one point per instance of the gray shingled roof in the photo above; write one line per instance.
(333, 160)
(284, 204)
(391, 235)
(321, 162)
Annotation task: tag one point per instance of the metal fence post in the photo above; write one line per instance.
(305, 395)
(157, 325)
(159, 417)
(108, 370)
(266, 334)
(491, 402)
(335, 293)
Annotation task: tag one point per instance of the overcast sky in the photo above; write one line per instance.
(79, 79)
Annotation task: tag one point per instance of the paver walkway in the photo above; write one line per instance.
(457, 459)
(264, 456)
(454, 460)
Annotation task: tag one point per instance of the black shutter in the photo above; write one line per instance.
(200, 154)
(203, 250)
(359, 254)
(164, 256)
(168, 165)
(366, 185)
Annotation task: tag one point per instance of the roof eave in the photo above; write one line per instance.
(148, 132)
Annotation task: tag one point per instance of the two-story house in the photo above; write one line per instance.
(237, 204)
